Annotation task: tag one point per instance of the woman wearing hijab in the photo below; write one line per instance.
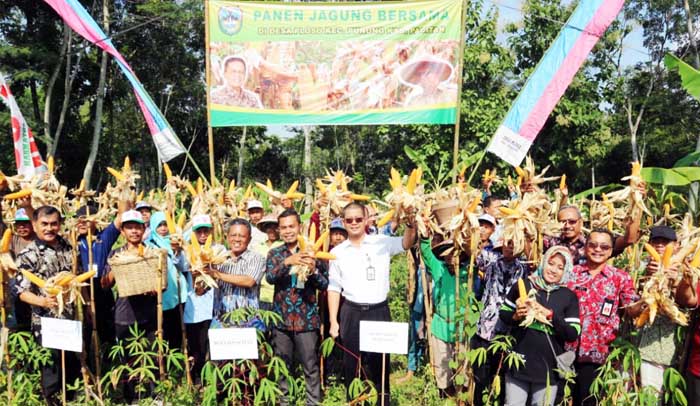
(538, 342)
(177, 266)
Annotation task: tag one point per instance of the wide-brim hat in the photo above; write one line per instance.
(266, 221)
(411, 71)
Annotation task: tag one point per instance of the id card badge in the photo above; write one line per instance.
(300, 284)
(607, 308)
(371, 273)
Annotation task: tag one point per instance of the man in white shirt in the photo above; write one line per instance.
(255, 214)
(360, 273)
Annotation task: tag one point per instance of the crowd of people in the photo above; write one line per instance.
(575, 305)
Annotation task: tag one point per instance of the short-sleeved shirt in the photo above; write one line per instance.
(351, 272)
(297, 305)
(199, 308)
(101, 248)
(243, 98)
(139, 309)
(44, 261)
(233, 297)
(499, 278)
(600, 299)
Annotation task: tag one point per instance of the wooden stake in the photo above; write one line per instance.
(4, 334)
(383, 372)
(93, 310)
(63, 376)
(207, 76)
(458, 116)
(188, 373)
(159, 312)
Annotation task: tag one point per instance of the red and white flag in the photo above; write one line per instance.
(26, 153)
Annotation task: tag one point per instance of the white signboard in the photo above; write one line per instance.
(233, 343)
(61, 334)
(384, 337)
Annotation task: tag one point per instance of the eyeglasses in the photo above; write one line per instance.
(571, 222)
(354, 220)
(593, 246)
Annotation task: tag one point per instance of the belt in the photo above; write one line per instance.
(365, 306)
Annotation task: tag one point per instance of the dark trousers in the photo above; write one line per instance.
(172, 327)
(197, 346)
(586, 373)
(104, 308)
(51, 376)
(303, 345)
(350, 316)
(122, 334)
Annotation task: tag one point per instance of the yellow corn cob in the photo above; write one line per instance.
(117, 175)
(667, 210)
(139, 197)
(169, 221)
(324, 255)
(301, 242)
(519, 181)
(363, 198)
(207, 243)
(18, 195)
(221, 199)
(127, 164)
(395, 178)
(200, 186)
(636, 168)
(89, 234)
(508, 211)
(695, 262)
(296, 196)
(140, 250)
(474, 204)
(642, 319)
(343, 184)
(196, 248)
(319, 243)
(320, 186)
(181, 220)
(386, 218)
(81, 187)
(232, 186)
(269, 184)
(668, 253)
(64, 280)
(33, 278)
(292, 188)
(520, 171)
(248, 192)
(522, 292)
(312, 234)
(486, 174)
(509, 181)
(52, 291)
(190, 189)
(5, 242)
(411, 184)
(85, 276)
(652, 252)
(464, 169)
(419, 175)
(50, 165)
(562, 182)
(168, 172)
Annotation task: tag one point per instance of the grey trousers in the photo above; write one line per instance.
(303, 345)
(517, 392)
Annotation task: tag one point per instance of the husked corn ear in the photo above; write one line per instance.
(169, 221)
(292, 189)
(386, 218)
(395, 180)
(248, 192)
(486, 174)
(321, 239)
(117, 175)
(168, 172)
(320, 186)
(508, 211)
(474, 204)
(200, 186)
(50, 164)
(411, 184)
(18, 195)
(5, 242)
(668, 253)
(65, 280)
(667, 210)
(562, 182)
(84, 276)
(419, 175)
(140, 250)
(127, 164)
(642, 319)
(636, 168)
(312, 234)
(652, 252)
(269, 184)
(191, 189)
(232, 186)
(296, 196)
(181, 220)
(81, 187)
(509, 181)
(363, 198)
(196, 248)
(324, 255)
(301, 242)
(207, 243)
(520, 171)
(695, 262)
(33, 278)
(522, 292)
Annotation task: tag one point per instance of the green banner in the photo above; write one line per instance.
(333, 63)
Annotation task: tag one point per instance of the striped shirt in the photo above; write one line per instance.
(233, 297)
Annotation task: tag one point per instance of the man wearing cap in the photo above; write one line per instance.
(487, 254)
(135, 310)
(232, 92)
(657, 344)
(94, 256)
(46, 256)
(338, 233)
(199, 307)
(255, 214)
(268, 225)
(361, 274)
(145, 209)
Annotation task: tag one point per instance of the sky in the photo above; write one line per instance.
(510, 11)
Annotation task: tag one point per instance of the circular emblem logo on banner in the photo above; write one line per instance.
(230, 20)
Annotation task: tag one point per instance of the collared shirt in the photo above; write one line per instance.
(101, 247)
(242, 98)
(361, 273)
(499, 278)
(233, 297)
(577, 247)
(600, 299)
(44, 261)
(17, 244)
(298, 306)
(257, 237)
(139, 309)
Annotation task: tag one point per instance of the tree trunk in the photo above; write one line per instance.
(70, 75)
(97, 129)
(694, 187)
(50, 85)
(241, 151)
(307, 166)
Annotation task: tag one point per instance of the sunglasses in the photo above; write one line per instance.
(593, 245)
(354, 220)
(571, 222)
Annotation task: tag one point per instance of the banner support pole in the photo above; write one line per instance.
(210, 130)
(458, 116)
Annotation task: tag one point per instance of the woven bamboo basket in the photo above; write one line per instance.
(135, 275)
(444, 211)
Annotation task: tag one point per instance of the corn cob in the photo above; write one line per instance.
(65, 280)
(312, 234)
(207, 243)
(486, 175)
(139, 197)
(140, 250)
(319, 243)
(522, 292)
(668, 253)
(232, 186)
(168, 172)
(508, 211)
(190, 189)
(667, 210)
(652, 252)
(5, 242)
(18, 195)
(411, 184)
(169, 221)
(50, 164)
(642, 319)
(181, 220)
(636, 168)
(324, 255)
(362, 198)
(296, 196)
(520, 171)
(395, 180)
(200, 186)
(474, 204)
(385, 219)
(320, 186)
(248, 192)
(127, 164)
(269, 184)
(562, 182)
(84, 276)
(33, 278)
(695, 262)
(301, 242)
(292, 189)
(117, 175)
(196, 248)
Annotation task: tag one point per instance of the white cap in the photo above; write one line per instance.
(254, 204)
(201, 220)
(132, 216)
(488, 218)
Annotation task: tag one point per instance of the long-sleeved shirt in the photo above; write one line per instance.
(101, 247)
(531, 342)
(500, 277)
(297, 306)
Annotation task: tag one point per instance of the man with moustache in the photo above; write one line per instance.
(361, 274)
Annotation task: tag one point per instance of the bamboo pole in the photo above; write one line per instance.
(4, 334)
(79, 311)
(210, 131)
(95, 338)
(188, 373)
(63, 377)
(159, 313)
(458, 115)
